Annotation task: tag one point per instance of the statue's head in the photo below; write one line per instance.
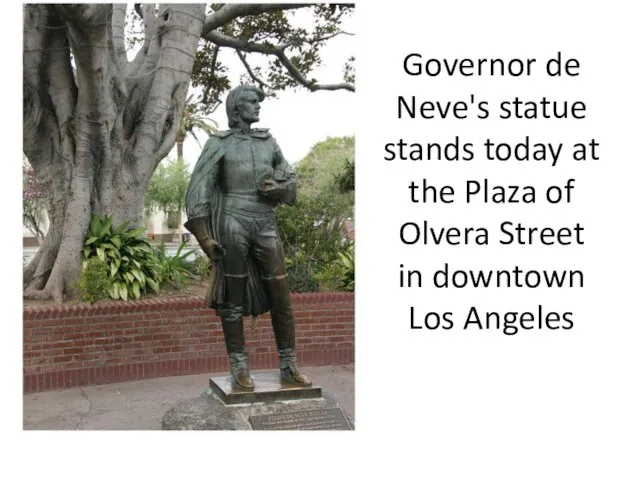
(243, 103)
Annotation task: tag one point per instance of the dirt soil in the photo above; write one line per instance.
(195, 289)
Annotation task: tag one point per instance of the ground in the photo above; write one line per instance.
(141, 405)
(195, 289)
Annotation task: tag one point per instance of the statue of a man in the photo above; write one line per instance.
(240, 177)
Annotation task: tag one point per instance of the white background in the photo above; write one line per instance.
(469, 404)
(454, 404)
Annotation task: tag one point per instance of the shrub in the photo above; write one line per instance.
(174, 270)
(94, 283)
(330, 278)
(312, 231)
(301, 277)
(312, 235)
(328, 170)
(200, 266)
(132, 266)
(339, 275)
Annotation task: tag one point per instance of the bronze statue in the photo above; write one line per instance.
(240, 177)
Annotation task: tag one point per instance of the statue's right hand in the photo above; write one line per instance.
(213, 249)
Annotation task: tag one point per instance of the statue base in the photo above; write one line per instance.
(272, 405)
(268, 388)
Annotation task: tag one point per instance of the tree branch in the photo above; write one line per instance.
(294, 42)
(37, 118)
(252, 47)
(216, 51)
(251, 73)
(117, 26)
(83, 16)
(177, 33)
(278, 51)
(231, 11)
(169, 137)
(301, 79)
(61, 84)
(47, 75)
(149, 21)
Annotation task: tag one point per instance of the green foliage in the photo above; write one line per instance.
(211, 74)
(200, 266)
(338, 275)
(311, 228)
(312, 235)
(330, 277)
(348, 260)
(328, 170)
(133, 268)
(94, 283)
(317, 248)
(301, 275)
(174, 270)
(168, 187)
(318, 251)
(346, 180)
(349, 71)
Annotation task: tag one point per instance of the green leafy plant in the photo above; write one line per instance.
(133, 268)
(174, 270)
(300, 273)
(312, 233)
(94, 283)
(339, 274)
(199, 266)
(348, 261)
(328, 170)
(312, 228)
(330, 278)
(346, 179)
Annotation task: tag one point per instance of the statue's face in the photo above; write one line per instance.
(249, 107)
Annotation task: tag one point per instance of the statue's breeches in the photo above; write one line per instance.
(243, 235)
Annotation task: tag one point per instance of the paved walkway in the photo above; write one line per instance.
(141, 405)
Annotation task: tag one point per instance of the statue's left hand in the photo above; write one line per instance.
(271, 189)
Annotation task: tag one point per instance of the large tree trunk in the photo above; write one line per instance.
(95, 135)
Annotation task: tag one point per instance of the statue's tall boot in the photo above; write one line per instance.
(284, 331)
(233, 329)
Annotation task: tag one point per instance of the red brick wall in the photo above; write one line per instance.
(118, 341)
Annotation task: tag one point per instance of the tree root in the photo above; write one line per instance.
(36, 282)
(34, 294)
(37, 276)
(54, 290)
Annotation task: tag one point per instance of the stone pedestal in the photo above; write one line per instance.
(273, 405)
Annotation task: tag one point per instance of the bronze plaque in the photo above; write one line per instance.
(322, 419)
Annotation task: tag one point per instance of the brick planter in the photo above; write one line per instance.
(86, 344)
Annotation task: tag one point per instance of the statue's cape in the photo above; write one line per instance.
(202, 183)
(203, 200)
